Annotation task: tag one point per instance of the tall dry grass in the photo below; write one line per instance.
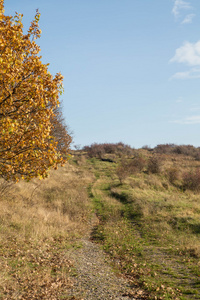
(149, 225)
(38, 221)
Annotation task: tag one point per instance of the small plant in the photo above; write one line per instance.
(128, 167)
(122, 171)
(191, 180)
(154, 165)
(138, 164)
(5, 188)
(173, 174)
(197, 156)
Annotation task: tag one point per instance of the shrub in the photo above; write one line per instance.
(95, 150)
(154, 165)
(123, 170)
(187, 150)
(123, 149)
(172, 174)
(164, 148)
(197, 155)
(98, 150)
(127, 167)
(191, 180)
(137, 164)
(147, 147)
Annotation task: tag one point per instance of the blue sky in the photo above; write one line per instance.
(131, 68)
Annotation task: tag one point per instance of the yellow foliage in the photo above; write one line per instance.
(28, 97)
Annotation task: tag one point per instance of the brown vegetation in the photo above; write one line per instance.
(99, 150)
(154, 165)
(39, 220)
(191, 180)
(148, 224)
(187, 150)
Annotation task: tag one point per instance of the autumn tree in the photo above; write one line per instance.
(60, 131)
(29, 98)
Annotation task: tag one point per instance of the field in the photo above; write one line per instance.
(39, 220)
(148, 206)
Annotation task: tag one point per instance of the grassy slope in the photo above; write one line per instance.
(148, 226)
(38, 222)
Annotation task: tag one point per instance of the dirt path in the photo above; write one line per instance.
(94, 279)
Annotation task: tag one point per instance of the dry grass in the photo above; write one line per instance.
(150, 227)
(148, 224)
(38, 221)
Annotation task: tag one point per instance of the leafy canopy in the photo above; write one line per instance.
(29, 96)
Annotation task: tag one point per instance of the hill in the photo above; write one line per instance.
(147, 204)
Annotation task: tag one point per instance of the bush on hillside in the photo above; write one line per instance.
(98, 150)
(137, 164)
(197, 155)
(95, 150)
(129, 167)
(173, 174)
(191, 180)
(147, 147)
(154, 165)
(164, 148)
(122, 171)
(187, 150)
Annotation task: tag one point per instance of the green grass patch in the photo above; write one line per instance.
(150, 231)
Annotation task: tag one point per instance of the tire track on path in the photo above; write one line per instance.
(95, 279)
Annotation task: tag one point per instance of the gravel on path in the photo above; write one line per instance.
(94, 279)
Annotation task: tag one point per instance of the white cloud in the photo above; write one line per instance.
(180, 11)
(179, 100)
(190, 74)
(188, 19)
(180, 75)
(189, 53)
(188, 120)
(180, 5)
